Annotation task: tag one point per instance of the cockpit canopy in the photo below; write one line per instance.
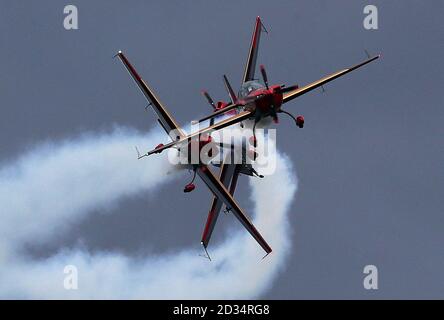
(249, 87)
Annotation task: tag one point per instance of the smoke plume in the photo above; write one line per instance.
(53, 186)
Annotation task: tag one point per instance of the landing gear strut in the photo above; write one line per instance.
(299, 120)
(190, 186)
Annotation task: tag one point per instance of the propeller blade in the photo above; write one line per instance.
(210, 101)
(264, 75)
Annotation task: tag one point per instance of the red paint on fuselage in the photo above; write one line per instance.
(265, 98)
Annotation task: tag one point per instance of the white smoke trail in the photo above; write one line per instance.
(50, 188)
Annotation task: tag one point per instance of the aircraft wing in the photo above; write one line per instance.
(219, 190)
(244, 115)
(227, 172)
(220, 112)
(250, 66)
(165, 119)
(288, 96)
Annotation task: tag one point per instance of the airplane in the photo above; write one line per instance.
(255, 101)
(169, 124)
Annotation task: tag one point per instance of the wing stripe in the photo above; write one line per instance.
(226, 173)
(220, 125)
(300, 91)
(219, 112)
(221, 192)
(244, 115)
(165, 118)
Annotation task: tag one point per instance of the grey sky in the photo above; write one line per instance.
(369, 160)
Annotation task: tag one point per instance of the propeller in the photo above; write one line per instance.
(282, 89)
(272, 111)
(264, 75)
(210, 101)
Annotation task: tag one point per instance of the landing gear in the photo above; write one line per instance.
(190, 186)
(253, 140)
(254, 135)
(257, 118)
(299, 120)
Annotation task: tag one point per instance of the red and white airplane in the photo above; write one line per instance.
(255, 101)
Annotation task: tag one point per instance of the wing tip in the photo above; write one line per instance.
(268, 252)
(118, 54)
(379, 55)
(207, 255)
